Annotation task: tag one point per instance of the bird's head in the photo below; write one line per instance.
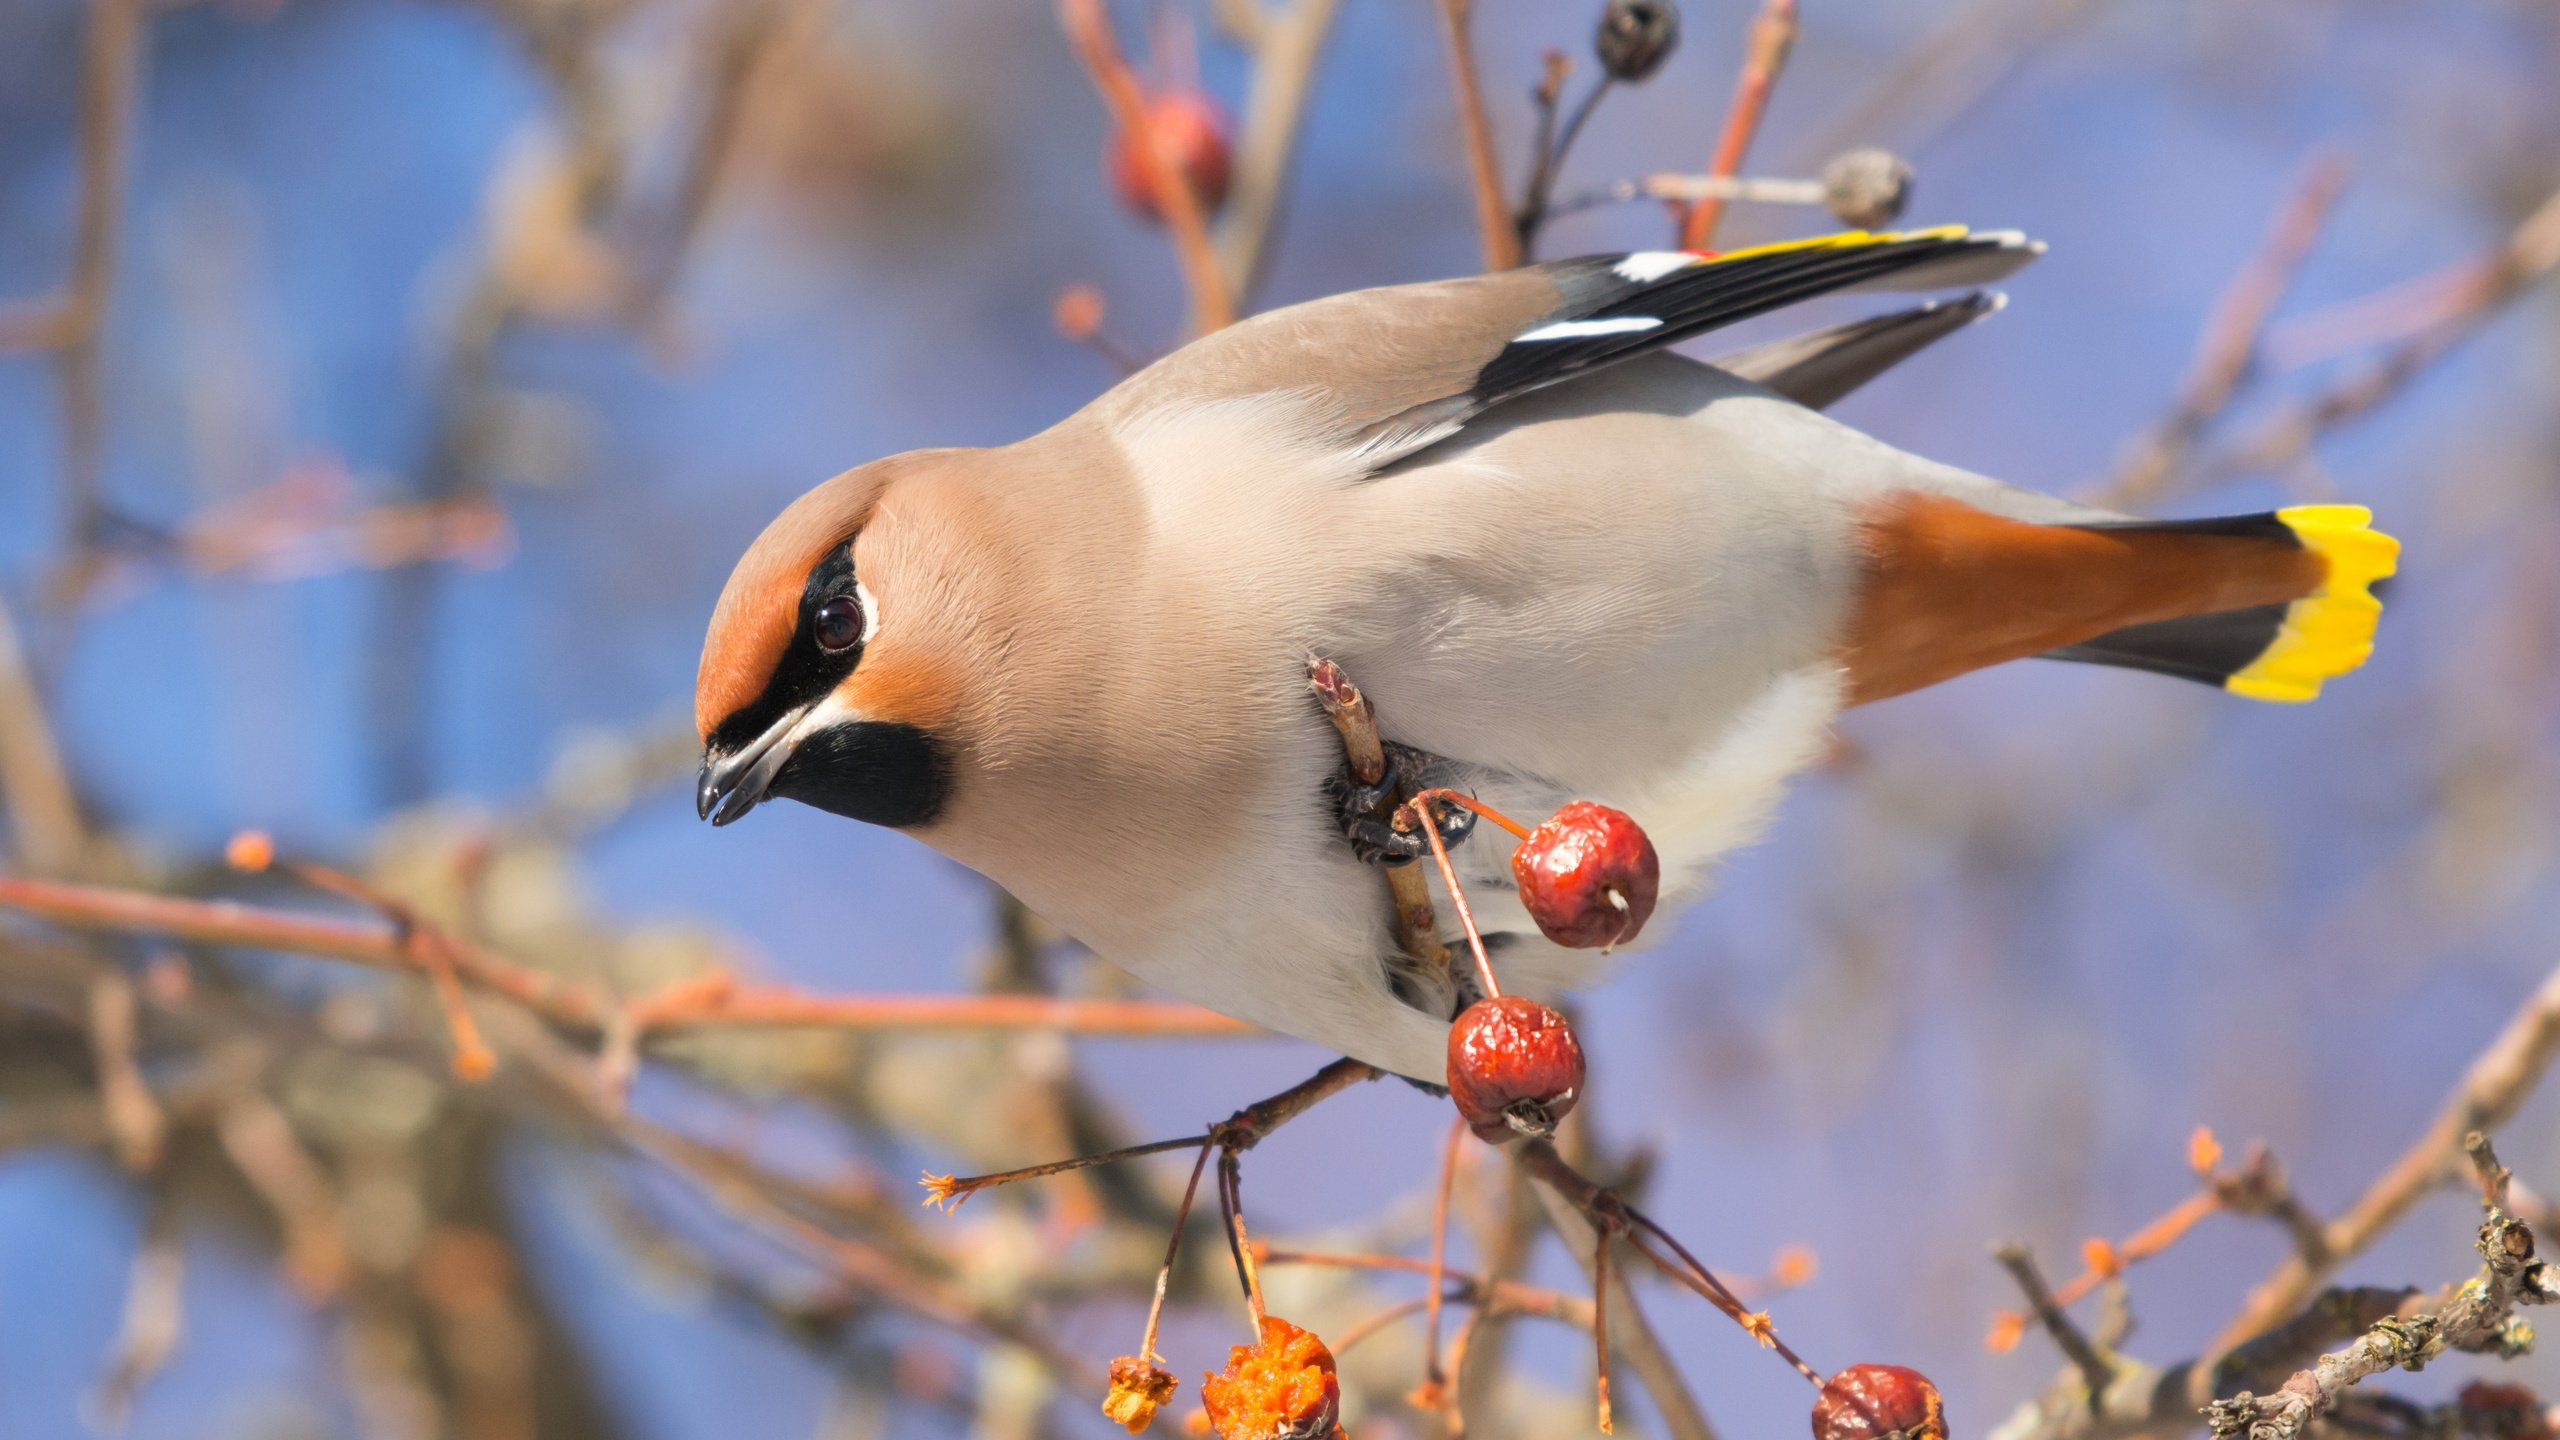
(837, 656)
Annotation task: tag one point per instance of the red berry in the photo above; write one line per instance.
(1514, 1067)
(1588, 875)
(1193, 131)
(1281, 1387)
(1879, 1402)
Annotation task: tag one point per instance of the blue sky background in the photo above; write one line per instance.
(1978, 985)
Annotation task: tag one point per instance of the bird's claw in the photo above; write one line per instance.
(1377, 841)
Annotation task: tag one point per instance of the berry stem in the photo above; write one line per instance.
(1172, 1248)
(1420, 805)
(1468, 802)
(1600, 1321)
(1432, 1375)
(1239, 1244)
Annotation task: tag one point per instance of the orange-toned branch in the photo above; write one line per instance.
(1773, 35)
(1493, 218)
(587, 1007)
(1089, 29)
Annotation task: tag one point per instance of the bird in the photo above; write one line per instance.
(1563, 562)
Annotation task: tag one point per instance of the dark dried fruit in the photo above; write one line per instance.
(1635, 37)
(1515, 1068)
(1879, 1402)
(1866, 188)
(1193, 131)
(2510, 1412)
(1281, 1387)
(1139, 1388)
(1588, 875)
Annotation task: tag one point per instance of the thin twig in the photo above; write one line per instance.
(1493, 217)
(1286, 45)
(2097, 1371)
(1773, 35)
(583, 1007)
(1433, 1378)
(1089, 30)
(2227, 353)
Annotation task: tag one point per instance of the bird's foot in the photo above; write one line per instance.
(1366, 813)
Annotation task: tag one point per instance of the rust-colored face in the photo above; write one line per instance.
(801, 692)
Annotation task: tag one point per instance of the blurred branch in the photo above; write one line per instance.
(70, 323)
(1964, 61)
(1493, 217)
(134, 1119)
(2227, 354)
(2097, 1369)
(1285, 42)
(2488, 1094)
(45, 828)
(2435, 325)
(1773, 36)
(154, 1317)
(1089, 30)
(586, 1007)
(110, 68)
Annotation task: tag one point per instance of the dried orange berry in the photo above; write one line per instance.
(1139, 1388)
(1515, 1067)
(250, 850)
(1588, 876)
(1281, 1387)
(1879, 1402)
(2203, 1151)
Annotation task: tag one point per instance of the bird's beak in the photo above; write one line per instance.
(736, 783)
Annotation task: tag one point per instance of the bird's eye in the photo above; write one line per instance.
(838, 624)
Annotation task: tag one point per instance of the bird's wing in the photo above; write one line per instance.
(1379, 374)
(1818, 369)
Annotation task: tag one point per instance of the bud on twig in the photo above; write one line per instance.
(1635, 37)
(1866, 188)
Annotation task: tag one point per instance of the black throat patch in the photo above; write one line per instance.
(871, 770)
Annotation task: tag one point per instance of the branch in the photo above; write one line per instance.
(108, 70)
(2227, 353)
(2480, 1316)
(1493, 217)
(2489, 1093)
(1089, 30)
(1773, 35)
(45, 827)
(1285, 48)
(585, 1007)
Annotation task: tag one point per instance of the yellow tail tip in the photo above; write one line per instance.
(2330, 631)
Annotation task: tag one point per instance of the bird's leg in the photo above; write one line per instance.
(1362, 811)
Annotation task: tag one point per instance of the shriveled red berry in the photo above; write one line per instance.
(1515, 1067)
(1281, 1387)
(1193, 131)
(1879, 1402)
(1588, 875)
(2511, 1412)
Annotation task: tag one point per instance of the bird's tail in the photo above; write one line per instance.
(2280, 652)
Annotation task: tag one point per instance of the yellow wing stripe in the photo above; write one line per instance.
(2330, 631)
(1843, 240)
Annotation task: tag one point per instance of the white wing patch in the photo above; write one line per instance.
(1643, 267)
(1584, 329)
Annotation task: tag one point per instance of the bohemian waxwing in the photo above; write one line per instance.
(1563, 562)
